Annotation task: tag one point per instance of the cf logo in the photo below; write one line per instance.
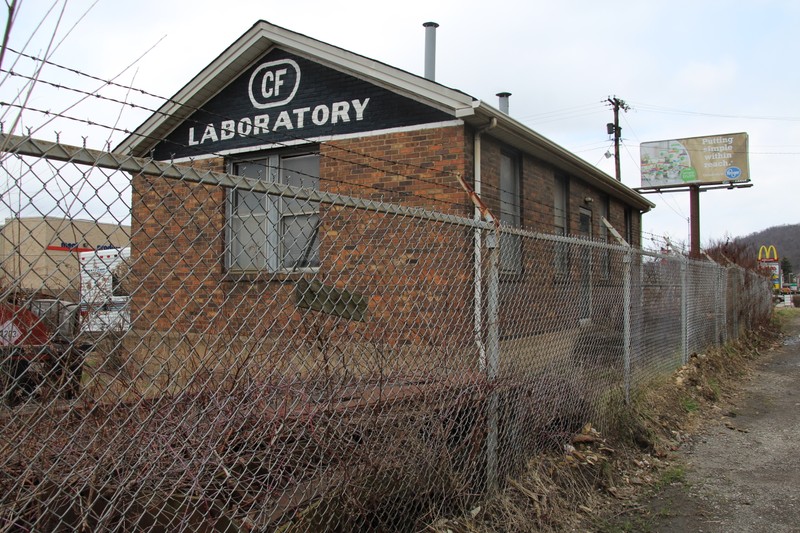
(274, 83)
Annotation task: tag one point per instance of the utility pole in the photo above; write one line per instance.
(613, 128)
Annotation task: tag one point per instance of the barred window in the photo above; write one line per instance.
(629, 225)
(605, 255)
(510, 214)
(274, 233)
(561, 223)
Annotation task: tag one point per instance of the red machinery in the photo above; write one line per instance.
(37, 350)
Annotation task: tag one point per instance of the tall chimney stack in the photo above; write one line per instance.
(504, 101)
(430, 50)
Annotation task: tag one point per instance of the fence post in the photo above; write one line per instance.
(716, 305)
(478, 296)
(723, 295)
(492, 356)
(626, 313)
(737, 300)
(685, 309)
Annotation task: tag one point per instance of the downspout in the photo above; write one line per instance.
(478, 245)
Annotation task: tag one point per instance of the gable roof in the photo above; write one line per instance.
(263, 36)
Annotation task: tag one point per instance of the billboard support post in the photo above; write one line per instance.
(694, 221)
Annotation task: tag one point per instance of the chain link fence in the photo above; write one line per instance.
(351, 366)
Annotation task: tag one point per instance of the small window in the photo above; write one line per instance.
(585, 223)
(560, 195)
(510, 214)
(274, 233)
(560, 223)
(629, 226)
(585, 259)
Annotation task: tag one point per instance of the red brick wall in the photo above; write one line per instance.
(543, 299)
(414, 271)
(414, 168)
(417, 275)
(177, 231)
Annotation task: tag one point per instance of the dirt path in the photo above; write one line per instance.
(743, 469)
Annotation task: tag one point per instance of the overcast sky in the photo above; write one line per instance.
(686, 68)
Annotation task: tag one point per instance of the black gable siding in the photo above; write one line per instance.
(304, 116)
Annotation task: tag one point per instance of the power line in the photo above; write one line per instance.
(566, 110)
(492, 192)
(672, 111)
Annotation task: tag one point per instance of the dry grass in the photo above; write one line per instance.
(557, 493)
(547, 497)
(409, 464)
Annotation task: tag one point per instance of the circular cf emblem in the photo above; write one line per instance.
(274, 83)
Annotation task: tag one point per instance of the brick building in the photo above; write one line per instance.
(285, 108)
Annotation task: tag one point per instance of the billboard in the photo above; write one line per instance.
(696, 160)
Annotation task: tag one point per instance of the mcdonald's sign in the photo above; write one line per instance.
(768, 253)
(768, 258)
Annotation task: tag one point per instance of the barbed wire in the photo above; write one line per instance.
(488, 188)
(528, 207)
(382, 190)
(223, 117)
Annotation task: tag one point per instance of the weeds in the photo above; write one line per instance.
(552, 496)
(673, 474)
(689, 404)
(715, 388)
(783, 316)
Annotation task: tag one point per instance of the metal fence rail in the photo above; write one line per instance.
(381, 366)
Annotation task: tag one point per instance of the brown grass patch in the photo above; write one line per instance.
(556, 492)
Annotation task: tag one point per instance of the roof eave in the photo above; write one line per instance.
(527, 140)
(412, 85)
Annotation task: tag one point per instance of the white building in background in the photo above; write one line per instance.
(40, 254)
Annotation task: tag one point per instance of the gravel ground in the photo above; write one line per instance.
(743, 468)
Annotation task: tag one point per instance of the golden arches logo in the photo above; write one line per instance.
(768, 253)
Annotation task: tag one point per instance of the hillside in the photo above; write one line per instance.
(786, 240)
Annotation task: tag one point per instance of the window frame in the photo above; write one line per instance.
(510, 212)
(561, 183)
(586, 230)
(561, 256)
(605, 234)
(629, 225)
(274, 249)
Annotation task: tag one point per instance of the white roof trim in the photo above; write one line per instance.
(253, 45)
(321, 139)
(374, 70)
(262, 36)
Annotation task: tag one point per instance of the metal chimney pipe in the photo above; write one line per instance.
(504, 101)
(430, 50)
